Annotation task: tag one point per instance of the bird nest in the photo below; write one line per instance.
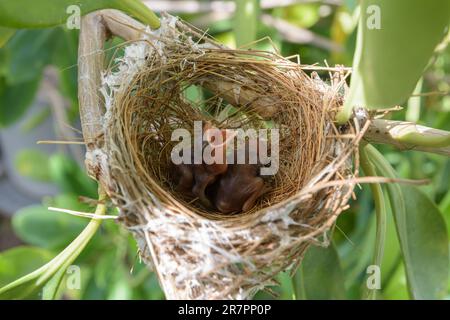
(176, 75)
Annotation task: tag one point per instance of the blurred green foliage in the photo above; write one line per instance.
(110, 267)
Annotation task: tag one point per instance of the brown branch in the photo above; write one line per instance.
(95, 29)
(90, 61)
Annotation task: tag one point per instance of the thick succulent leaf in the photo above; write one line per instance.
(48, 13)
(320, 276)
(422, 234)
(428, 241)
(389, 60)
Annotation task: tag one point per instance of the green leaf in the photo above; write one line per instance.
(69, 176)
(33, 164)
(153, 289)
(38, 226)
(422, 234)
(428, 240)
(362, 250)
(320, 276)
(286, 289)
(392, 254)
(246, 21)
(103, 271)
(15, 100)
(227, 38)
(48, 13)
(65, 57)
(23, 59)
(380, 209)
(5, 34)
(396, 288)
(51, 272)
(389, 60)
(444, 206)
(17, 262)
(29, 51)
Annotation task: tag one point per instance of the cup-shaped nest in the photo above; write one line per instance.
(178, 75)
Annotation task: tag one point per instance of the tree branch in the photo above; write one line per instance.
(409, 136)
(95, 29)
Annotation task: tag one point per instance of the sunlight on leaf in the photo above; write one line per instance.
(393, 50)
(422, 234)
(48, 13)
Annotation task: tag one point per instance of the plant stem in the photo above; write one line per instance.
(55, 267)
(414, 103)
(397, 206)
(142, 13)
(409, 136)
(380, 209)
(299, 284)
(95, 28)
(73, 250)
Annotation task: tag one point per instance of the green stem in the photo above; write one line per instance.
(417, 138)
(141, 12)
(62, 260)
(398, 207)
(406, 135)
(380, 209)
(49, 13)
(344, 114)
(414, 103)
(71, 252)
(299, 285)
(294, 288)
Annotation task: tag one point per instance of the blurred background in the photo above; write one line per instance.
(38, 102)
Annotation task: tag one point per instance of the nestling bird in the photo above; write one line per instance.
(193, 179)
(230, 188)
(238, 189)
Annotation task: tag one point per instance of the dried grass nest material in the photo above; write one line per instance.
(198, 254)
